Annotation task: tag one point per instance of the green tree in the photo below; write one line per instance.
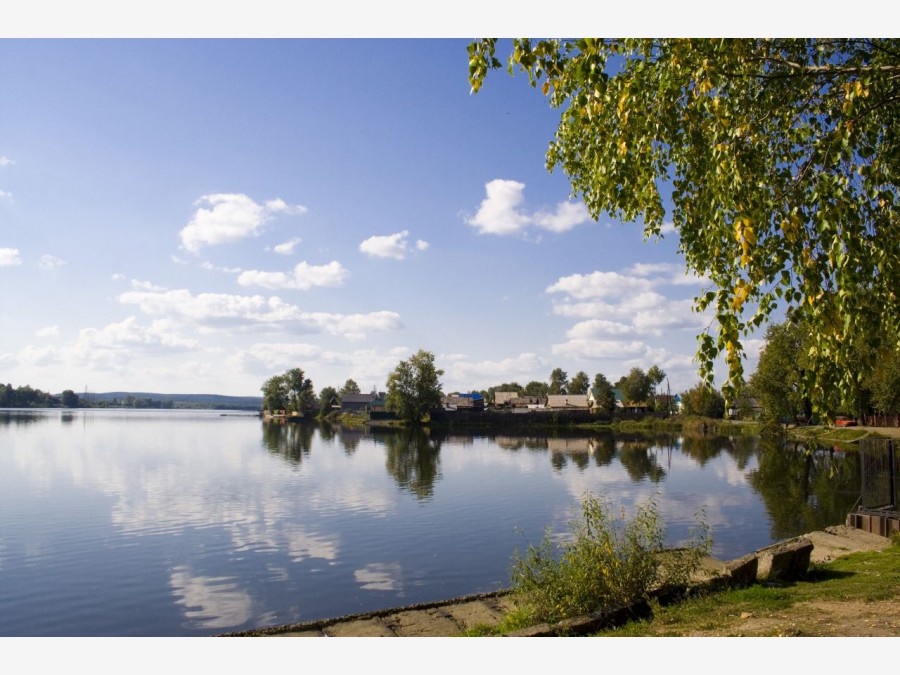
(559, 382)
(350, 387)
(325, 397)
(703, 402)
(656, 375)
(884, 384)
(579, 383)
(300, 393)
(635, 386)
(275, 394)
(782, 157)
(414, 387)
(603, 393)
(778, 379)
(535, 388)
(70, 399)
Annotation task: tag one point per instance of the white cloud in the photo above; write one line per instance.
(10, 257)
(50, 262)
(225, 310)
(6, 195)
(288, 247)
(390, 246)
(599, 285)
(303, 277)
(566, 216)
(146, 286)
(618, 310)
(232, 217)
(114, 346)
(47, 332)
(6, 161)
(581, 348)
(501, 211)
(598, 327)
(522, 368)
(369, 367)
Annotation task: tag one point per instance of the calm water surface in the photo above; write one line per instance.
(195, 523)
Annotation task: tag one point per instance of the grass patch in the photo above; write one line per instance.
(859, 577)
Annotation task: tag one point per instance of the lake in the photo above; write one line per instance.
(190, 523)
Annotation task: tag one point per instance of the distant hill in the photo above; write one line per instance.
(142, 399)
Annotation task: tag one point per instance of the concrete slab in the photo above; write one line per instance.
(423, 623)
(374, 627)
(476, 613)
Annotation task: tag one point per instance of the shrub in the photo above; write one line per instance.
(608, 561)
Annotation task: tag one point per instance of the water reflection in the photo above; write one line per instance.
(292, 441)
(805, 488)
(213, 523)
(413, 460)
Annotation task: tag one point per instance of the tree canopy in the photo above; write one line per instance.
(414, 387)
(603, 393)
(781, 160)
(291, 390)
(636, 386)
(559, 382)
(579, 383)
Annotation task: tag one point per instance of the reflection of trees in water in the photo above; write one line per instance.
(413, 460)
(639, 461)
(603, 449)
(290, 439)
(742, 449)
(805, 489)
(703, 448)
(349, 438)
(16, 418)
(327, 432)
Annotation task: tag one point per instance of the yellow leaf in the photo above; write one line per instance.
(750, 235)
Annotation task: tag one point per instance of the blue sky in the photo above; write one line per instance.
(197, 215)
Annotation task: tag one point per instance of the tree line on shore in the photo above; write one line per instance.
(413, 388)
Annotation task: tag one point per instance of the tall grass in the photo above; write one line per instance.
(608, 561)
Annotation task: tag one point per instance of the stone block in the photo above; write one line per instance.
(742, 572)
(787, 561)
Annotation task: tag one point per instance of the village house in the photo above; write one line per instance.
(456, 401)
(568, 402)
(504, 398)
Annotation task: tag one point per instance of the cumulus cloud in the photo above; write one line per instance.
(287, 247)
(111, 347)
(600, 285)
(6, 161)
(47, 332)
(226, 218)
(566, 216)
(501, 211)
(363, 365)
(6, 195)
(523, 368)
(10, 257)
(303, 277)
(395, 245)
(618, 310)
(50, 262)
(227, 310)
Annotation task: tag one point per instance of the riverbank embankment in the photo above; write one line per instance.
(455, 616)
